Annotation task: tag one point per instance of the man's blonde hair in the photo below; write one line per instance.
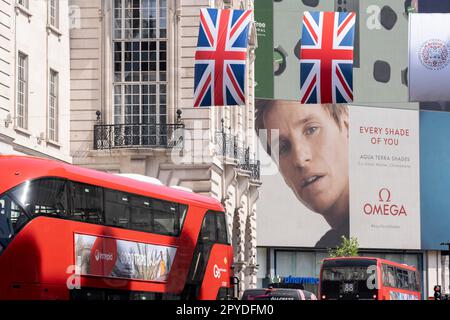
(336, 111)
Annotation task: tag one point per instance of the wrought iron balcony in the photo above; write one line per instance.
(114, 136)
(229, 146)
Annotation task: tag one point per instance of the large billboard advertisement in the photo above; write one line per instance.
(114, 258)
(342, 170)
(435, 178)
(384, 177)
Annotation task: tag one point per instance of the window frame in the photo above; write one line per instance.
(22, 82)
(217, 239)
(53, 105)
(53, 13)
(128, 31)
(24, 3)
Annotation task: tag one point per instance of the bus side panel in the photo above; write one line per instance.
(218, 271)
(5, 278)
(188, 242)
(43, 253)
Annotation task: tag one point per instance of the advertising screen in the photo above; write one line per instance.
(380, 55)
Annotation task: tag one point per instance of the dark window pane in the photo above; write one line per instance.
(208, 231)
(12, 219)
(166, 219)
(221, 229)
(43, 196)
(141, 215)
(117, 210)
(87, 203)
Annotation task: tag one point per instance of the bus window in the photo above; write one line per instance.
(166, 217)
(214, 228)
(87, 203)
(43, 197)
(12, 219)
(402, 279)
(412, 284)
(141, 214)
(388, 276)
(222, 236)
(117, 210)
(209, 228)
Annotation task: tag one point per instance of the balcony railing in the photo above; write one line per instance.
(229, 146)
(115, 136)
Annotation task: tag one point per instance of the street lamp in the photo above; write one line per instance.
(447, 254)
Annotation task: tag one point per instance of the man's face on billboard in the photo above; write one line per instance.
(313, 154)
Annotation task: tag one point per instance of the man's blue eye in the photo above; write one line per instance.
(311, 130)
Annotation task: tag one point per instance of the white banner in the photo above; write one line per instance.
(384, 178)
(429, 57)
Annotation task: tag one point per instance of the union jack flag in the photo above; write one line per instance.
(327, 57)
(220, 57)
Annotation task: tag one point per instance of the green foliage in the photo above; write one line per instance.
(348, 248)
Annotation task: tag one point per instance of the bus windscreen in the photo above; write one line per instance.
(349, 279)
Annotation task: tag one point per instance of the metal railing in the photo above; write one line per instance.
(114, 136)
(229, 146)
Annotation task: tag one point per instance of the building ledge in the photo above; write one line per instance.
(23, 131)
(23, 10)
(131, 152)
(54, 144)
(54, 30)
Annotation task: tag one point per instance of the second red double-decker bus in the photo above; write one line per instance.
(74, 233)
(365, 278)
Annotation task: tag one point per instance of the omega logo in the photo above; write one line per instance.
(386, 192)
(384, 207)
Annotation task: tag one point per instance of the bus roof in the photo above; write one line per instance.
(18, 169)
(405, 266)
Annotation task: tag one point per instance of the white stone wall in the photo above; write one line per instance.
(6, 56)
(85, 75)
(26, 30)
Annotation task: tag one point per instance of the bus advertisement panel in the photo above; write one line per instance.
(109, 257)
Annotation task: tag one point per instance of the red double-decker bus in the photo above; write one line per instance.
(365, 278)
(74, 233)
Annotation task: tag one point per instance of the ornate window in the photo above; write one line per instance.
(140, 62)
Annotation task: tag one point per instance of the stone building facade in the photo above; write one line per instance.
(34, 78)
(132, 78)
